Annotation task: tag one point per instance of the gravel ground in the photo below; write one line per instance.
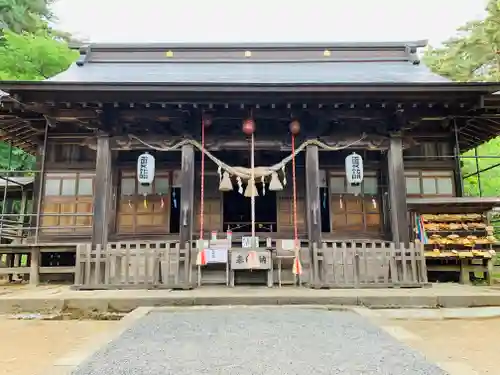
(250, 341)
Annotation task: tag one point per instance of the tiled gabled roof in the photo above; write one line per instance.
(267, 64)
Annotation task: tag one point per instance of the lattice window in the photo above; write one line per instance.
(67, 203)
(429, 184)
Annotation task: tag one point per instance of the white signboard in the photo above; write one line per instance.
(354, 169)
(216, 255)
(246, 242)
(146, 169)
(217, 252)
(288, 245)
(240, 260)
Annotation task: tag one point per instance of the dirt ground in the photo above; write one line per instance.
(30, 346)
(473, 342)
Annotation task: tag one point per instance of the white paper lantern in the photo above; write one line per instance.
(354, 169)
(146, 169)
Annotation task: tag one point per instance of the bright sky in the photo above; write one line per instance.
(264, 20)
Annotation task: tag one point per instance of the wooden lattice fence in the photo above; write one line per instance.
(351, 264)
(133, 265)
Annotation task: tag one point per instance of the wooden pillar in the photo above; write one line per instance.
(35, 265)
(102, 192)
(313, 196)
(397, 191)
(459, 181)
(187, 194)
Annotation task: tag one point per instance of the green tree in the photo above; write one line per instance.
(30, 57)
(30, 50)
(474, 55)
(25, 15)
(33, 57)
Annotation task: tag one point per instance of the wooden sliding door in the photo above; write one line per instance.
(352, 213)
(144, 209)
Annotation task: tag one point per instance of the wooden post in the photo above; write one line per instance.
(102, 192)
(313, 203)
(38, 185)
(35, 266)
(312, 194)
(187, 195)
(397, 191)
(459, 181)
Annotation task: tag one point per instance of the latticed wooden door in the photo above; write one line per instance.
(144, 209)
(67, 204)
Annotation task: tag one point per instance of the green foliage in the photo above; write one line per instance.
(25, 15)
(29, 16)
(489, 180)
(33, 57)
(15, 160)
(474, 56)
(30, 50)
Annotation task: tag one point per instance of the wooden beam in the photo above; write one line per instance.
(187, 194)
(102, 191)
(312, 195)
(219, 111)
(397, 191)
(73, 113)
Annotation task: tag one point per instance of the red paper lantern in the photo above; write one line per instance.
(248, 127)
(295, 127)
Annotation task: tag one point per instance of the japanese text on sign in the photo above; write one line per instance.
(145, 168)
(143, 171)
(240, 260)
(217, 252)
(246, 242)
(354, 168)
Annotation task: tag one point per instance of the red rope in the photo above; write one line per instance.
(202, 189)
(294, 182)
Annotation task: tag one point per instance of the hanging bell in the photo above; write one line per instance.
(225, 183)
(251, 190)
(275, 184)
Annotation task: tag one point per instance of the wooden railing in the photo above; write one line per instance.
(133, 265)
(357, 264)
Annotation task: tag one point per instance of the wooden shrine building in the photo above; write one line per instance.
(89, 125)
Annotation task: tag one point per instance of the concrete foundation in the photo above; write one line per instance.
(58, 298)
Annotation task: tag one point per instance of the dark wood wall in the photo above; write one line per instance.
(70, 179)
